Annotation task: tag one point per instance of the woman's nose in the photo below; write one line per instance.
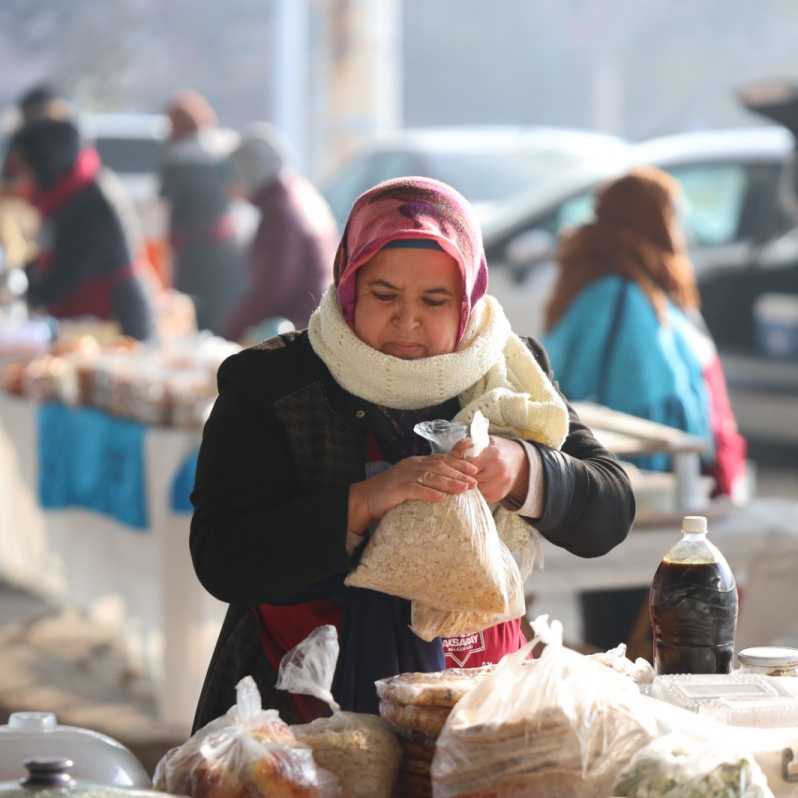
(406, 316)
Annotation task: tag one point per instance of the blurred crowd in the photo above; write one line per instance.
(66, 220)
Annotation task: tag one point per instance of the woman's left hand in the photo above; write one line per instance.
(503, 468)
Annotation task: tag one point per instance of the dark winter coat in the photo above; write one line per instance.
(281, 448)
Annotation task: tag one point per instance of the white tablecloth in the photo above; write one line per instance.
(142, 581)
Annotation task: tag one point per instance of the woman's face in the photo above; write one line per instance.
(408, 303)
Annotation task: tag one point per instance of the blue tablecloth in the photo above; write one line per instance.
(92, 460)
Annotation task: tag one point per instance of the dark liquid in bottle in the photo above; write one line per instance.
(693, 616)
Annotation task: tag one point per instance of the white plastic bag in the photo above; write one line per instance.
(447, 556)
(561, 726)
(246, 753)
(359, 749)
(681, 766)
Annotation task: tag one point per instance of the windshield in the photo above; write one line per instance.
(496, 177)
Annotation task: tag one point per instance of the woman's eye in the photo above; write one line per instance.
(435, 303)
(384, 297)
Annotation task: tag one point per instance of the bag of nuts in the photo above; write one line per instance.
(447, 556)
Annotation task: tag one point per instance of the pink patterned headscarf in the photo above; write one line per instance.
(412, 208)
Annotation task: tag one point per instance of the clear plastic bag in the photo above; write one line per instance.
(680, 766)
(359, 749)
(447, 556)
(640, 671)
(561, 726)
(246, 753)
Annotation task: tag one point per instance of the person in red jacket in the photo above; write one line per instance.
(86, 265)
(289, 260)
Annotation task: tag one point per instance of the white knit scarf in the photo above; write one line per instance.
(492, 370)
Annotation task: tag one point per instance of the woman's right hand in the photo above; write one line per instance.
(428, 479)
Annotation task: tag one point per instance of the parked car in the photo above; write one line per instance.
(733, 185)
(742, 239)
(488, 165)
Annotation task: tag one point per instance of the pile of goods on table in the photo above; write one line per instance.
(171, 384)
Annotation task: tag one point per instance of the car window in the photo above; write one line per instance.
(712, 202)
(711, 205)
(130, 154)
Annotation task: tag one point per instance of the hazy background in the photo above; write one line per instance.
(622, 66)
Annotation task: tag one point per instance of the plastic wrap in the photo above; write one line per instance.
(247, 753)
(562, 726)
(360, 750)
(439, 689)
(678, 766)
(447, 556)
(640, 671)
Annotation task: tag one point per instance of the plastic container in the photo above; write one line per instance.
(52, 778)
(693, 691)
(97, 758)
(776, 324)
(769, 661)
(693, 606)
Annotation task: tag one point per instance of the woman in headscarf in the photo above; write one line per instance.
(624, 329)
(207, 262)
(87, 262)
(289, 263)
(311, 442)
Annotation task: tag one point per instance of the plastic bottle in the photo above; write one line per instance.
(693, 606)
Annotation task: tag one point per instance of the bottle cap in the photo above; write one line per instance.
(694, 525)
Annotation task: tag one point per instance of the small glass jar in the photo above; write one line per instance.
(769, 661)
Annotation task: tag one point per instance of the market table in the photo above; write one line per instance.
(139, 579)
(759, 540)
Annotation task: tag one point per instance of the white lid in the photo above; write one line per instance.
(769, 656)
(694, 525)
(97, 757)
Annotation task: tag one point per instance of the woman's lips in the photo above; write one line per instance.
(405, 351)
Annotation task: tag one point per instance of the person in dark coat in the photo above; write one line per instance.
(86, 264)
(289, 263)
(311, 442)
(207, 259)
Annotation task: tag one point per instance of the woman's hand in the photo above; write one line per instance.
(427, 479)
(502, 468)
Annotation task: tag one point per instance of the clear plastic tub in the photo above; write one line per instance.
(761, 713)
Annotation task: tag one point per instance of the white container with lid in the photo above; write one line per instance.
(769, 661)
(99, 758)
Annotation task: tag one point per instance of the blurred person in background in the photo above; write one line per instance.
(43, 101)
(86, 266)
(624, 330)
(289, 263)
(207, 262)
(18, 222)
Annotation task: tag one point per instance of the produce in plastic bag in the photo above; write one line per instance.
(562, 726)
(446, 555)
(246, 753)
(679, 766)
(359, 749)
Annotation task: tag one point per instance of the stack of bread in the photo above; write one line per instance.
(417, 705)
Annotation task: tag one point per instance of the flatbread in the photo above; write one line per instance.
(428, 720)
(439, 689)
